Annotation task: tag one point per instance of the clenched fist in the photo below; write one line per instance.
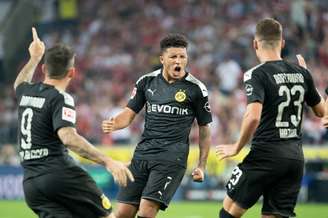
(198, 175)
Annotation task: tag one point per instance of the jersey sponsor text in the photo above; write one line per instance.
(166, 109)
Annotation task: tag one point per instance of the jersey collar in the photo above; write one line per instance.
(182, 79)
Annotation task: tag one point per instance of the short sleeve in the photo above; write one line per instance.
(254, 88)
(137, 99)
(202, 109)
(63, 112)
(312, 96)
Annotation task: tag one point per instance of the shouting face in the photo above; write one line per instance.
(174, 62)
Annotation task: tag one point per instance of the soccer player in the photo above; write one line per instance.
(54, 185)
(173, 99)
(276, 92)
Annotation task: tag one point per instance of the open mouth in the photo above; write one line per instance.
(177, 69)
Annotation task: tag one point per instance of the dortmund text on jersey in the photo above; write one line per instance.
(42, 111)
(282, 88)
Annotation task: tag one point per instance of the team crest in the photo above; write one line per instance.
(105, 202)
(180, 96)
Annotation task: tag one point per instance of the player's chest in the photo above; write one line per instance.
(159, 92)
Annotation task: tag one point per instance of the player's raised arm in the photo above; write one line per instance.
(204, 148)
(120, 121)
(81, 146)
(36, 50)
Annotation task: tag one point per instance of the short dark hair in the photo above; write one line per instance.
(269, 30)
(58, 60)
(173, 40)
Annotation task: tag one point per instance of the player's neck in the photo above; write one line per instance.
(269, 55)
(58, 84)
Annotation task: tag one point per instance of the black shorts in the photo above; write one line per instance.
(70, 193)
(154, 180)
(277, 179)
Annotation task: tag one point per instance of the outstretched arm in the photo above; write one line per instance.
(36, 51)
(81, 146)
(121, 121)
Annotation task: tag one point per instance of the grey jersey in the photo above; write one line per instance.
(170, 111)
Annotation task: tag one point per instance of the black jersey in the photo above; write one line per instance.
(170, 111)
(282, 88)
(42, 111)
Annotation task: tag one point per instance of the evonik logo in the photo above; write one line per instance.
(166, 109)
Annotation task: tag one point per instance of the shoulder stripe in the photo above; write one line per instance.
(153, 74)
(201, 85)
(248, 74)
(68, 99)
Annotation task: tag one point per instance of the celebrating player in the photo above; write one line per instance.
(54, 185)
(173, 99)
(276, 91)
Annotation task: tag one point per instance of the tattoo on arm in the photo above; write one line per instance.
(204, 145)
(26, 74)
(80, 145)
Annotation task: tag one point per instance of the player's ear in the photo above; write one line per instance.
(255, 44)
(161, 59)
(71, 72)
(282, 44)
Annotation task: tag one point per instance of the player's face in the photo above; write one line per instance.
(174, 62)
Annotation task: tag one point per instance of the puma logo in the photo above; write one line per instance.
(151, 91)
(168, 182)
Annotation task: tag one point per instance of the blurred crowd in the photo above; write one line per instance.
(117, 41)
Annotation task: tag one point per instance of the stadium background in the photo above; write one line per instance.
(116, 41)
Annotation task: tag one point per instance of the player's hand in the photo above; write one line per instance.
(120, 172)
(127, 163)
(324, 121)
(108, 125)
(198, 175)
(37, 47)
(225, 151)
(301, 61)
